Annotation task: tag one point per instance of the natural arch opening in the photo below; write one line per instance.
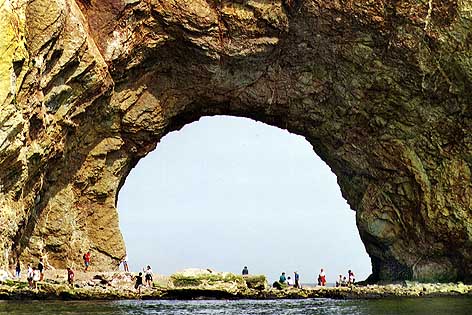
(225, 192)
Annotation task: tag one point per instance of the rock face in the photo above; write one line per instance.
(381, 89)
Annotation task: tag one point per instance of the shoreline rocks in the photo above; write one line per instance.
(212, 285)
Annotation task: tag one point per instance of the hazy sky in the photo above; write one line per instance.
(228, 192)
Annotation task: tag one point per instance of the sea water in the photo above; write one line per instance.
(397, 306)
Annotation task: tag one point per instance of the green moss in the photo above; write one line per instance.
(10, 283)
(257, 282)
(183, 281)
(180, 280)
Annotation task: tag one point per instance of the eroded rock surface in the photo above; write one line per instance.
(381, 89)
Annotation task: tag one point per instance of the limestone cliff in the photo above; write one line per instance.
(381, 89)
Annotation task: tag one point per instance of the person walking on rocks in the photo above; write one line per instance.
(29, 276)
(41, 269)
(125, 263)
(18, 270)
(245, 271)
(87, 260)
(36, 277)
(148, 276)
(351, 277)
(139, 282)
(70, 276)
(322, 278)
(297, 280)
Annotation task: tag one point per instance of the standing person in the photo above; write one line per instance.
(322, 278)
(70, 276)
(297, 280)
(86, 260)
(245, 271)
(282, 278)
(139, 282)
(36, 277)
(41, 269)
(351, 277)
(125, 263)
(148, 276)
(340, 281)
(18, 270)
(29, 276)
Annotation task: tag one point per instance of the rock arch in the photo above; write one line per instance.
(381, 91)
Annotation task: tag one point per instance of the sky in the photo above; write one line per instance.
(227, 192)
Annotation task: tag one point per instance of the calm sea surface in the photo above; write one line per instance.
(429, 306)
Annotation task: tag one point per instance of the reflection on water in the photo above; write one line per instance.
(427, 306)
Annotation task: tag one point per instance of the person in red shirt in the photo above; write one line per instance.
(86, 260)
(70, 276)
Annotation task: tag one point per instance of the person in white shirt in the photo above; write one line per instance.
(29, 276)
(322, 278)
(36, 277)
(289, 281)
(148, 276)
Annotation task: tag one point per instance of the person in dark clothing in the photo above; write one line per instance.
(245, 271)
(18, 270)
(282, 278)
(297, 280)
(41, 269)
(139, 282)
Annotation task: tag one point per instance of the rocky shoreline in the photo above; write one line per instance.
(211, 285)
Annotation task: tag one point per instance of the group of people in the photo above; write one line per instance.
(288, 281)
(147, 278)
(341, 282)
(344, 281)
(34, 274)
(321, 280)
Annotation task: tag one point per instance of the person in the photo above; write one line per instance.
(148, 276)
(297, 280)
(344, 282)
(322, 278)
(245, 271)
(41, 268)
(86, 260)
(36, 277)
(139, 282)
(339, 281)
(351, 277)
(289, 281)
(29, 276)
(125, 263)
(18, 270)
(70, 276)
(282, 278)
